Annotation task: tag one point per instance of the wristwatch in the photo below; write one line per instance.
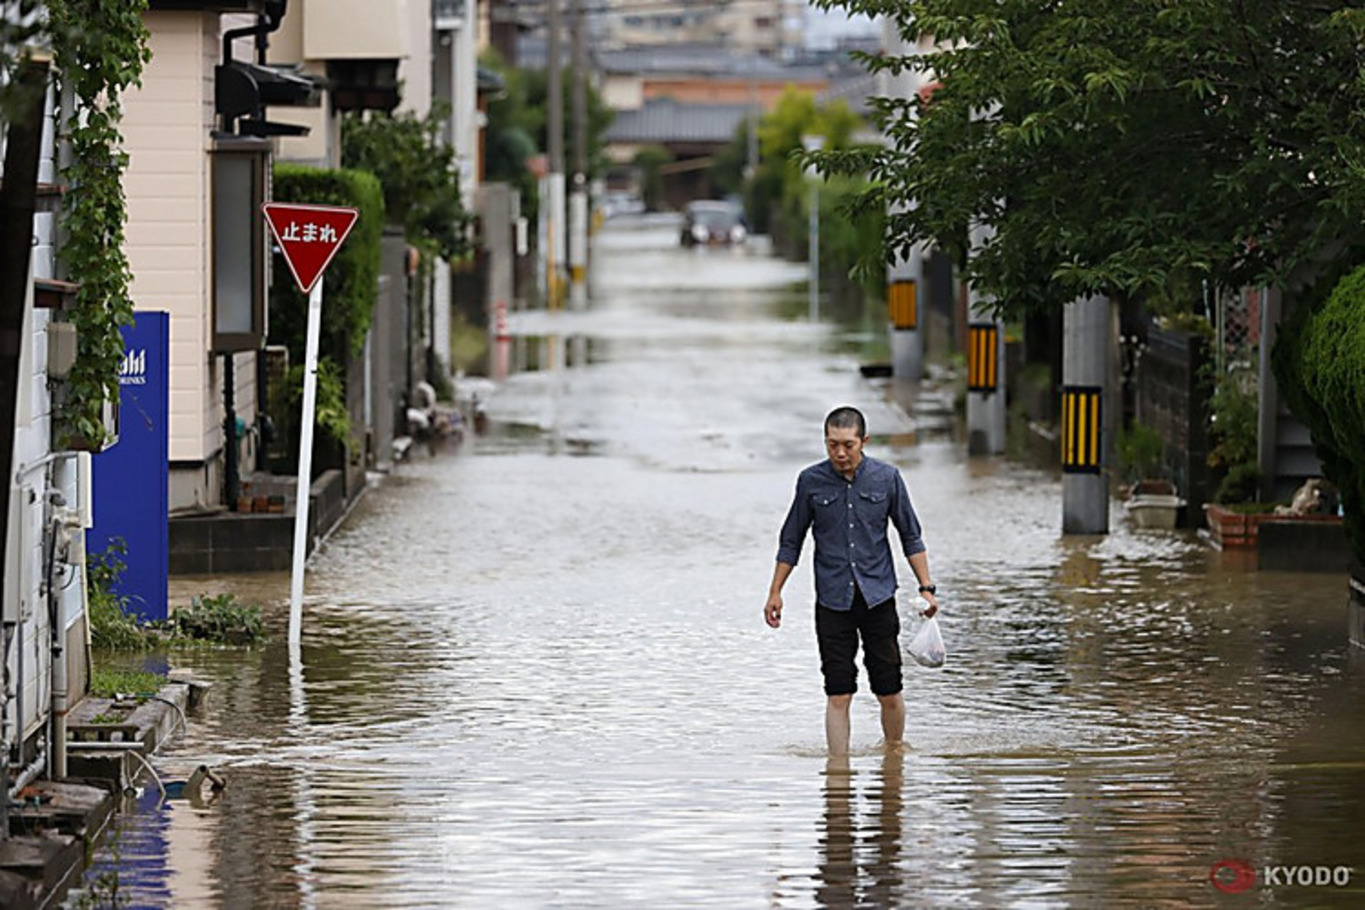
(928, 589)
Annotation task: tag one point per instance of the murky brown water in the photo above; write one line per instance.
(537, 675)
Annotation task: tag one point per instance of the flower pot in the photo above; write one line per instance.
(1229, 529)
(1154, 510)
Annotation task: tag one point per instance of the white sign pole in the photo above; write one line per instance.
(310, 405)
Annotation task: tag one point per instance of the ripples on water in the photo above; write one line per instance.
(540, 680)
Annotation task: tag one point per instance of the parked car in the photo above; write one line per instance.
(621, 202)
(713, 223)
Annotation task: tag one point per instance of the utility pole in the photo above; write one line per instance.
(553, 198)
(904, 276)
(578, 191)
(751, 123)
(904, 283)
(985, 366)
(1087, 328)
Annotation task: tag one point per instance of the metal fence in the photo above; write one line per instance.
(1238, 324)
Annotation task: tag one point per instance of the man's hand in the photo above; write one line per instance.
(933, 604)
(772, 610)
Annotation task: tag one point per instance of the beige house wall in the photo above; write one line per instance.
(355, 29)
(415, 70)
(315, 31)
(691, 90)
(322, 146)
(167, 127)
(623, 92)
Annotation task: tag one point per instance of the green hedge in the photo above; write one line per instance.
(351, 284)
(1320, 363)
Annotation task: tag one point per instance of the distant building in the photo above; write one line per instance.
(770, 28)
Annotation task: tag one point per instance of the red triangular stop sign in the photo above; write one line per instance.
(309, 236)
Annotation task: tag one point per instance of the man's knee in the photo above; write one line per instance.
(841, 702)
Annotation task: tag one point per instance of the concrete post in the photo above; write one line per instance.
(578, 189)
(985, 367)
(904, 283)
(497, 208)
(578, 250)
(556, 239)
(1087, 328)
(904, 278)
(553, 200)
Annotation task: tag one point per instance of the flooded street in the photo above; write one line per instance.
(537, 675)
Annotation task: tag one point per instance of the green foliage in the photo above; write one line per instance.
(1235, 434)
(774, 200)
(350, 285)
(332, 414)
(18, 29)
(845, 241)
(777, 198)
(418, 173)
(728, 165)
(100, 48)
(219, 619)
(106, 683)
(517, 129)
(649, 161)
(1130, 149)
(510, 136)
(112, 628)
(1321, 367)
(350, 288)
(1141, 452)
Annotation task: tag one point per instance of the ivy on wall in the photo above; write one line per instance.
(100, 47)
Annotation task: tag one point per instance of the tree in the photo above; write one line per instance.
(1326, 356)
(416, 168)
(775, 198)
(650, 161)
(516, 128)
(1132, 148)
(1125, 147)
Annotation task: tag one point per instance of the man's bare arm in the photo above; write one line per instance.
(772, 610)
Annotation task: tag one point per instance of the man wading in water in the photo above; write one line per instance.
(847, 500)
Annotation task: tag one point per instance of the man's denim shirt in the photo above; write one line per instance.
(849, 520)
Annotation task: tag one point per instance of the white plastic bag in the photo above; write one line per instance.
(927, 646)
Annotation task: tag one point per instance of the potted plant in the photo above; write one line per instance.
(1152, 498)
(1234, 514)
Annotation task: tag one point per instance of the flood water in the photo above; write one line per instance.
(536, 672)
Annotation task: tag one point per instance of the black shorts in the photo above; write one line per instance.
(838, 631)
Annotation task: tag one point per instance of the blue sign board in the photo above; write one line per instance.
(131, 477)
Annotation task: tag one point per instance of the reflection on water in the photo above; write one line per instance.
(536, 680)
(860, 835)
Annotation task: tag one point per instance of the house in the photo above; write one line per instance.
(43, 624)
(200, 146)
(689, 100)
(391, 56)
